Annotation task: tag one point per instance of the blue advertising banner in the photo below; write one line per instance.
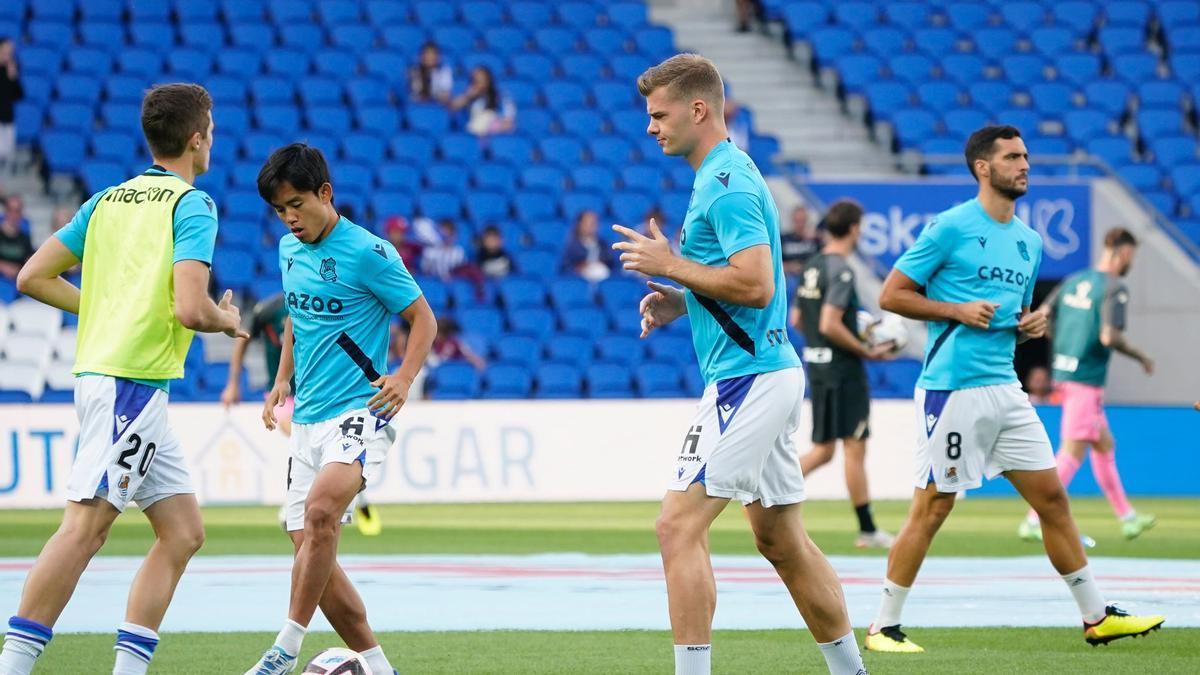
(897, 210)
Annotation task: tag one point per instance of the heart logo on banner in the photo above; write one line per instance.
(1052, 218)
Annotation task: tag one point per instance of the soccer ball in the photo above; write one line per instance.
(888, 328)
(337, 661)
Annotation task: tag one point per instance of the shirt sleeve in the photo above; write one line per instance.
(840, 286)
(1116, 304)
(386, 277)
(739, 222)
(195, 227)
(74, 233)
(928, 254)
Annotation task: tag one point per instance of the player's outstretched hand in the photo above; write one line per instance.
(1033, 324)
(275, 398)
(233, 316)
(884, 351)
(976, 314)
(231, 394)
(393, 392)
(660, 307)
(1148, 365)
(651, 255)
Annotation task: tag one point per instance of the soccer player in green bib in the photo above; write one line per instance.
(1088, 313)
(739, 445)
(146, 246)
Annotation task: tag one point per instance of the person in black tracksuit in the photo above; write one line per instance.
(826, 313)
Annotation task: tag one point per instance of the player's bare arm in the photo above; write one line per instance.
(233, 389)
(660, 307)
(40, 278)
(283, 377)
(903, 296)
(747, 280)
(835, 331)
(393, 388)
(197, 311)
(1114, 338)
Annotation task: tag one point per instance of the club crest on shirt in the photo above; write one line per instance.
(329, 269)
(1023, 249)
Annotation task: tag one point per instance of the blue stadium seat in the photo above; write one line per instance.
(991, 95)
(627, 15)
(592, 177)
(659, 380)
(380, 120)
(1022, 118)
(532, 66)
(910, 15)
(625, 350)
(1134, 68)
(454, 381)
(252, 36)
(494, 175)
(1023, 16)
(1178, 12)
(802, 17)
(575, 202)
(858, 70)
(507, 380)
(912, 125)
(102, 35)
(611, 40)
(1052, 40)
(428, 118)
(332, 12)
(569, 292)
(1023, 69)
(99, 175)
(630, 207)
(1157, 122)
(1186, 66)
(1114, 150)
(627, 67)
(1186, 178)
(190, 64)
(1077, 14)
(578, 15)
(963, 68)
(558, 380)
(606, 380)
(521, 293)
(589, 321)
(1085, 124)
(481, 320)
(612, 149)
(831, 43)
(505, 40)
(995, 42)
(939, 95)
(1183, 38)
(673, 349)
(911, 68)
(968, 17)
(884, 41)
(439, 205)
(530, 14)
(140, 63)
(886, 97)
(1077, 68)
(447, 176)
(534, 206)
(1160, 93)
(1124, 13)
(71, 116)
(486, 207)
(81, 89)
(332, 119)
(403, 40)
(585, 68)
(239, 62)
(282, 119)
(566, 151)
(935, 42)
(1170, 151)
(1110, 96)
(1121, 40)
(1163, 201)
(49, 34)
(555, 40)
(856, 14)
(233, 268)
(272, 90)
(1053, 98)
(152, 35)
(106, 10)
(363, 147)
(621, 293)
(412, 147)
(962, 122)
(642, 176)
(114, 146)
(1143, 177)
(287, 62)
(536, 322)
(387, 204)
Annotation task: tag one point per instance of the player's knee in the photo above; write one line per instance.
(85, 536)
(321, 518)
(936, 512)
(821, 455)
(1053, 504)
(190, 540)
(769, 547)
(672, 528)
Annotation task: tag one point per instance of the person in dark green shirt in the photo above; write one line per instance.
(1087, 313)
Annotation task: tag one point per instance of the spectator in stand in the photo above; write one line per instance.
(430, 79)
(737, 123)
(449, 346)
(14, 212)
(800, 244)
(442, 259)
(1040, 388)
(15, 247)
(60, 218)
(493, 260)
(585, 254)
(747, 10)
(396, 230)
(10, 93)
(490, 112)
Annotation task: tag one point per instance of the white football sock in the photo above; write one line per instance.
(377, 661)
(291, 637)
(892, 604)
(693, 659)
(842, 656)
(1087, 594)
(18, 657)
(135, 647)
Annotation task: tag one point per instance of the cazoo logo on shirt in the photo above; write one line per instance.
(313, 303)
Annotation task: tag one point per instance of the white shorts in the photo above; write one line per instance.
(740, 442)
(127, 451)
(967, 434)
(351, 437)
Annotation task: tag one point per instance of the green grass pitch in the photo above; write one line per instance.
(978, 527)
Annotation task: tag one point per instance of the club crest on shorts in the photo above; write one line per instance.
(329, 269)
(123, 486)
(951, 474)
